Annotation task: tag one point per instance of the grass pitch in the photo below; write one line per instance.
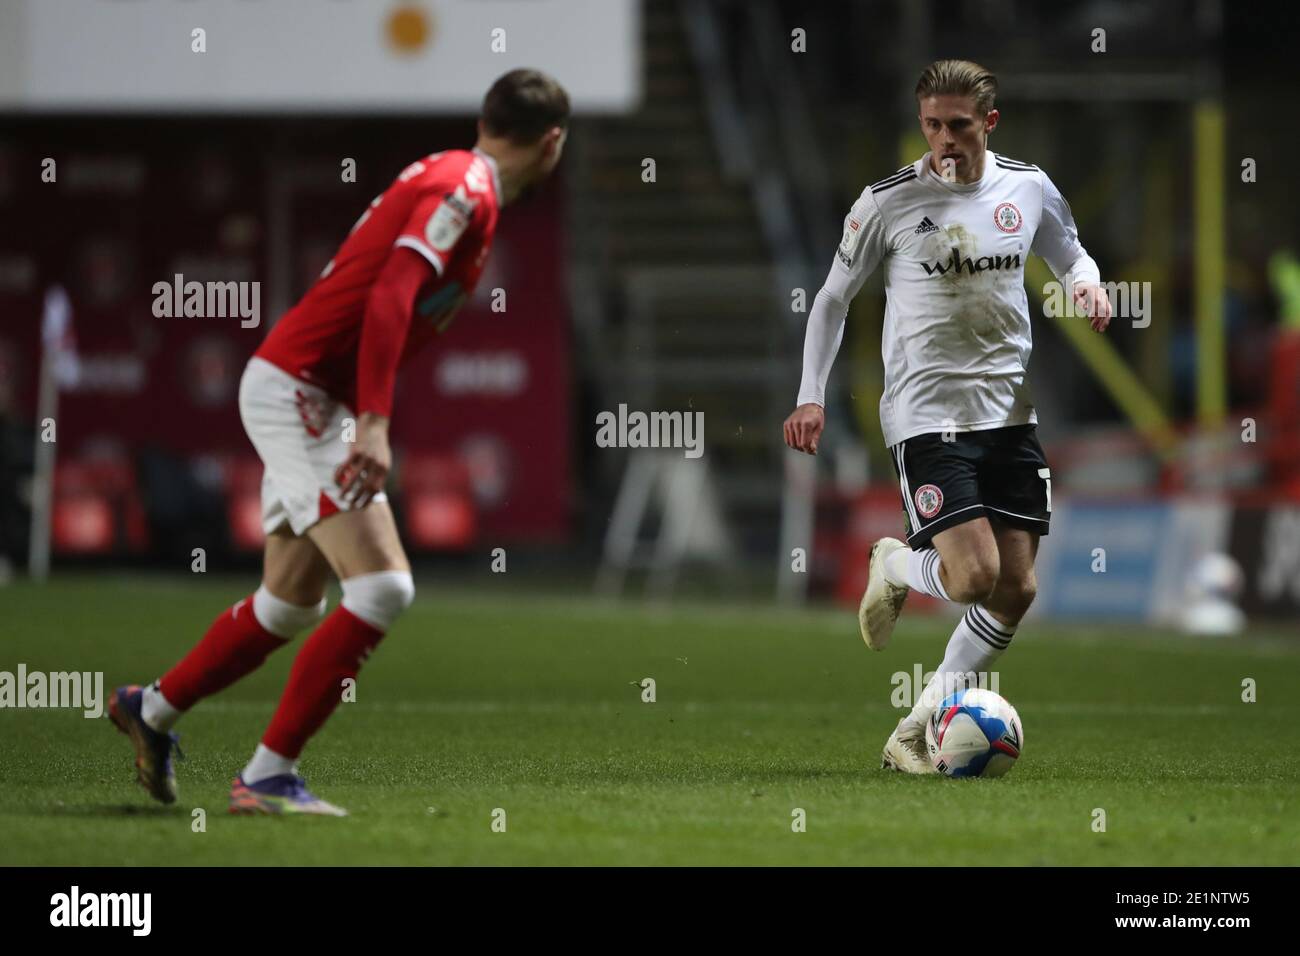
(484, 700)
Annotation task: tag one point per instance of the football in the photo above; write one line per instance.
(974, 733)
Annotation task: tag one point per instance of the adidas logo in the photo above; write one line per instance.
(926, 226)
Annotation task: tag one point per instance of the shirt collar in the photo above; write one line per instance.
(928, 171)
(492, 165)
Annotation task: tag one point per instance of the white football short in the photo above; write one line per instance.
(297, 430)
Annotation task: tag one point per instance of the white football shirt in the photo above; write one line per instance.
(956, 339)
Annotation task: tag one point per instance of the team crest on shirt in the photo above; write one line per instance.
(848, 249)
(929, 499)
(1007, 217)
(449, 220)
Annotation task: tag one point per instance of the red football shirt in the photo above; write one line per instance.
(444, 207)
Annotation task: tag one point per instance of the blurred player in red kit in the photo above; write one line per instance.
(315, 400)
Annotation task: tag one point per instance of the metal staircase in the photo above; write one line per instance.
(694, 318)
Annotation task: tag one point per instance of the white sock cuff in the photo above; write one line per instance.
(379, 598)
(923, 573)
(156, 710)
(941, 686)
(267, 763)
(985, 627)
(281, 618)
(896, 567)
(976, 643)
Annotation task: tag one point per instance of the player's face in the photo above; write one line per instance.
(956, 132)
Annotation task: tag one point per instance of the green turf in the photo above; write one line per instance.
(482, 700)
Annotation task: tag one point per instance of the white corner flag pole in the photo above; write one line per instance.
(55, 369)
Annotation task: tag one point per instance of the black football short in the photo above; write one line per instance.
(999, 473)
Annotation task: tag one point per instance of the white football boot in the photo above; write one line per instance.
(882, 601)
(906, 751)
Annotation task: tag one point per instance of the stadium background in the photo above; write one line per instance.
(527, 689)
(677, 294)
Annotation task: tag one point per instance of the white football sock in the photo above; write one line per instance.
(156, 711)
(978, 640)
(266, 763)
(918, 570)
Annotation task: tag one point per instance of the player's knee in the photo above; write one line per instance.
(1013, 595)
(282, 618)
(973, 581)
(1021, 593)
(379, 598)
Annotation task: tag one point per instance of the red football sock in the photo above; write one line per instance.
(235, 645)
(334, 651)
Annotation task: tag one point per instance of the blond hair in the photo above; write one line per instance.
(959, 78)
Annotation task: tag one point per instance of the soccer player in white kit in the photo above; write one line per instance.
(952, 231)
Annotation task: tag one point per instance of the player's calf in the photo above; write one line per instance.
(961, 578)
(969, 561)
(1012, 597)
(237, 643)
(332, 656)
(918, 570)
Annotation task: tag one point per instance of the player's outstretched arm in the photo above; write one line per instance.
(822, 337)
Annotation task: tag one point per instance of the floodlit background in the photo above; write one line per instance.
(126, 158)
(724, 698)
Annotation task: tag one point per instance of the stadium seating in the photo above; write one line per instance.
(97, 508)
(242, 485)
(437, 502)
